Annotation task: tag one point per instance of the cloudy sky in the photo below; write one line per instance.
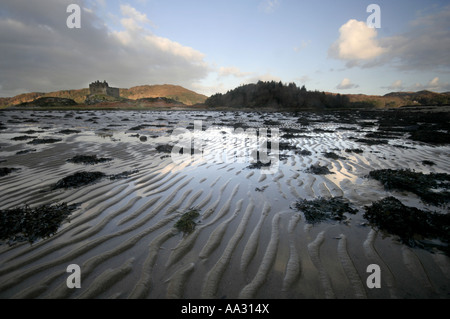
(212, 46)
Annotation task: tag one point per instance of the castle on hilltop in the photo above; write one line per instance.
(98, 87)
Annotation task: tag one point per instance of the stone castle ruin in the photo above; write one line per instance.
(98, 87)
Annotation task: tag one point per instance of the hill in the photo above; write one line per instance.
(277, 95)
(172, 92)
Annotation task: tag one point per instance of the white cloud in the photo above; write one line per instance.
(133, 14)
(357, 42)
(232, 71)
(396, 85)
(302, 46)
(424, 46)
(434, 85)
(34, 59)
(303, 79)
(346, 84)
(268, 6)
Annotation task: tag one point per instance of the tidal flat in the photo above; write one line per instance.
(261, 227)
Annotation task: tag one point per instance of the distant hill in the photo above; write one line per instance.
(172, 92)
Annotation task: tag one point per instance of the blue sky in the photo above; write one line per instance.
(214, 46)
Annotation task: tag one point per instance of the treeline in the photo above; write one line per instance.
(276, 95)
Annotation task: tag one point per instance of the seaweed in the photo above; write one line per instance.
(371, 141)
(164, 148)
(78, 179)
(69, 131)
(412, 225)
(23, 138)
(332, 155)
(318, 170)
(7, 170)
(354, 150)
(88, 159)
(122, 175)
(25, 151)
(303, 152)
(423, 185)
(186, 223)
(44, 141)
(29, 224)
(322, 209)
(259, 165)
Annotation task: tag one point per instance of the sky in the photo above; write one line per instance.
(212, 46)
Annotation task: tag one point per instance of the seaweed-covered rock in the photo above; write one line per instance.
(88, 159)
(37, 141)
(79, 179)
(23, 138)
(69, 131)
(322, 209)
(431, 188)
(372, 141)
(411, 224)
(164, 148)
(318, 170)
(30, 224)
(122, 175)
(303, 152)
(332, 155)
(186, 223)
(259, 165)
(7, 170)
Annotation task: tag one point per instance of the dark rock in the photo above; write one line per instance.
(432, 188)
(7, 170)
(88, 159)
(322, 209)
(318, 170)
(79, 179)
(44, 141)
(29, 224)
(23, 138)
(411, 224)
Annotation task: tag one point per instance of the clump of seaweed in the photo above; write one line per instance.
(29, 224)
(186, 223)
(303, 152)
(318, 170)
(164, 148)
(372, 141)
(431, 188)
(411, 224)
(79, 179)
(259, 165)
(332, 155)
(322, 209)
(88, 159)
(354, 150)
(37, 141)
(23, 138)
(69, 131)
(7, 170)
(122, 175)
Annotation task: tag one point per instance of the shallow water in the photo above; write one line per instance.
(249, 242)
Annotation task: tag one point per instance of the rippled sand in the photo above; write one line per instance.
(249, 242)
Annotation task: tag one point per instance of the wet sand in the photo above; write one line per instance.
(249, 240)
